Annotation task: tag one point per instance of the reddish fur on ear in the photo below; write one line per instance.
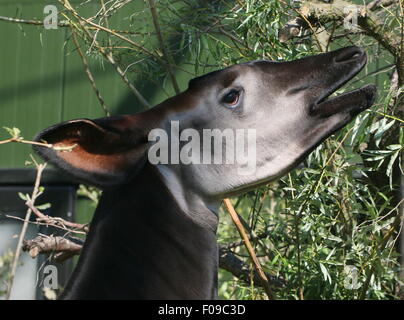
(103, 152)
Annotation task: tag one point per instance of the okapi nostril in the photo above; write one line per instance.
(350, 54)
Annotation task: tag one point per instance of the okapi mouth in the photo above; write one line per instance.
(352, 102)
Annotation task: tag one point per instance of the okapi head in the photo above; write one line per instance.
(286, 104)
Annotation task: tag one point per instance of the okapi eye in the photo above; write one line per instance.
(231, 98)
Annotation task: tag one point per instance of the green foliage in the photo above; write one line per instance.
(90, 193)
(15, 133)
(326, 219)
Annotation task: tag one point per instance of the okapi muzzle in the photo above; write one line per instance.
(287, 104)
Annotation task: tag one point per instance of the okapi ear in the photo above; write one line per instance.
(103, 152)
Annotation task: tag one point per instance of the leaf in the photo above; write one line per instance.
(360, 126)
(334, 238)
(245, 21)
(43, 206)
(289, 189)
(389, 169)
(14, 132)
(377, 158)
(394, 146)
(325, 273)
(330, 255)
(374, 126)
(23, 196)
(382, 129)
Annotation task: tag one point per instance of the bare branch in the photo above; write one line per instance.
(35, 194)
(18, 139)
(62, 248)
(32, 22)
(14, 139)
(238, 268)
(55, 221)
(377, 4)
(263, 279)
(62, 24)
(317, 13)
(48, 224)
(236, 244)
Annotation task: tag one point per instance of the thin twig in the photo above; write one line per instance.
(238, 268)
(263, 278)
(236, 244)
(311, 28)
(296, 221)
(166, 54)
(89, 74)
(35, 194)
(375, 72)
(69, 7)
(42, 144)
(46, 224)
(296, 217)
(105, 13)
(377, 4)
(14, 139)
(107, 55)
(61, 24)
(54, 220)
(31, 22)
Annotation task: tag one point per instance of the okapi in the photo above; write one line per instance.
(153, 235)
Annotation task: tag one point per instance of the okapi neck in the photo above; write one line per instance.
(141, 245)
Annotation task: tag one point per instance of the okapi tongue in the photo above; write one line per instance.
(354, 102)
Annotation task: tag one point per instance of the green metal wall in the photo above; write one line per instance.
(42, 81)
